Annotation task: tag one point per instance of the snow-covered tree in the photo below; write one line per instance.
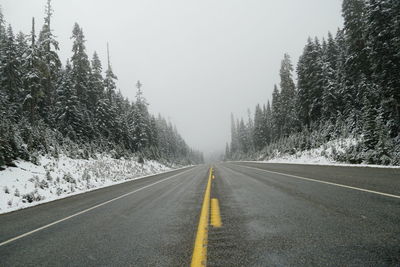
(10, 73)
(258, 133)
(47, 48)
(140, 120)
(357, 62)
(80, 65)
(32, 77)
(287, 97)
(234, 136)
(330, 103)
(383, 40)
(109, 81)
(69, 116)
(310, 83)
(105, 118)
(96, 83)
(276, 113)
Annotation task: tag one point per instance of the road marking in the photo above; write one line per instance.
(324, 182)
(199, 257)
(86, 210)
(215, 213)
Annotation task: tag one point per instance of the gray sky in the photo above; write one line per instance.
(198, 60)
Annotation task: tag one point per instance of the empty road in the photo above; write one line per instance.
(261, 215)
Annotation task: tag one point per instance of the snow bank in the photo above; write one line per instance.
(29, 184)
(323, 155)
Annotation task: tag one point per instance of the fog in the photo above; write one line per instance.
(199, 61)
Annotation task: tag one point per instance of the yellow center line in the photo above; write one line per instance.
(215, 213)
(199, 257)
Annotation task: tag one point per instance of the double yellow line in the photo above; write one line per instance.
(199, 257)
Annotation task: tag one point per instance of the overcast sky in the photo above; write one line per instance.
(198, 60)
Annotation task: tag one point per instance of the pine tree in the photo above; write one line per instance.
(384, 146)
(96, 84)
(354, 29)
(276, 114)
(317, 80)
(268, 123)
(69, 116)
(357, 63)
(162, 136)
(250, 131)
(243, 137)
(303, 85)
(287, 96)
(153, 152)
(105, 119)
(32, 77)
(80, 65)
(21, 47)
(10, 75)
(340, 78)
(234, 136)
(48, 47)
(310, 83)
(330, 86)
(140, 120)
(383, 38)
(109, 82)
(227, 152)
(122, 121)
(259, 135)
(369, 120)
(2, 27)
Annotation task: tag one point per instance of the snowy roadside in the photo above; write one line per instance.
(323, 155)
(28, 184)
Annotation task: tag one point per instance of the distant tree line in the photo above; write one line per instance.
(348, 85)
(48, 108)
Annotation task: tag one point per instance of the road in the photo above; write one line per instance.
(271, 215)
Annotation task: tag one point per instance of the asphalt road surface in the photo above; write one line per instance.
(272, 215)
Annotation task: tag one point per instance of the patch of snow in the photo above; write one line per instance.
(323, 155)
(29, 184)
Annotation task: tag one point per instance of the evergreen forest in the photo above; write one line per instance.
(347, 86)
(48, 107)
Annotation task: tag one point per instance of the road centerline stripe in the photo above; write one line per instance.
(86, 210)
(215, 213)
(325, 182)
(199, 257)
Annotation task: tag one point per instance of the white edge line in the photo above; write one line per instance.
(324, 182)
(333, 164)
(86, 210)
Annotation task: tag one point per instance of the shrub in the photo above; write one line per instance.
(16, 193)
(69, 179)
(6, 190)
(43, 184)
(86, 176)
(48, 176)
(32, 196)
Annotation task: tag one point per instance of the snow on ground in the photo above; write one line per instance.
(323, 155)
(320, 155)
(28, 184)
